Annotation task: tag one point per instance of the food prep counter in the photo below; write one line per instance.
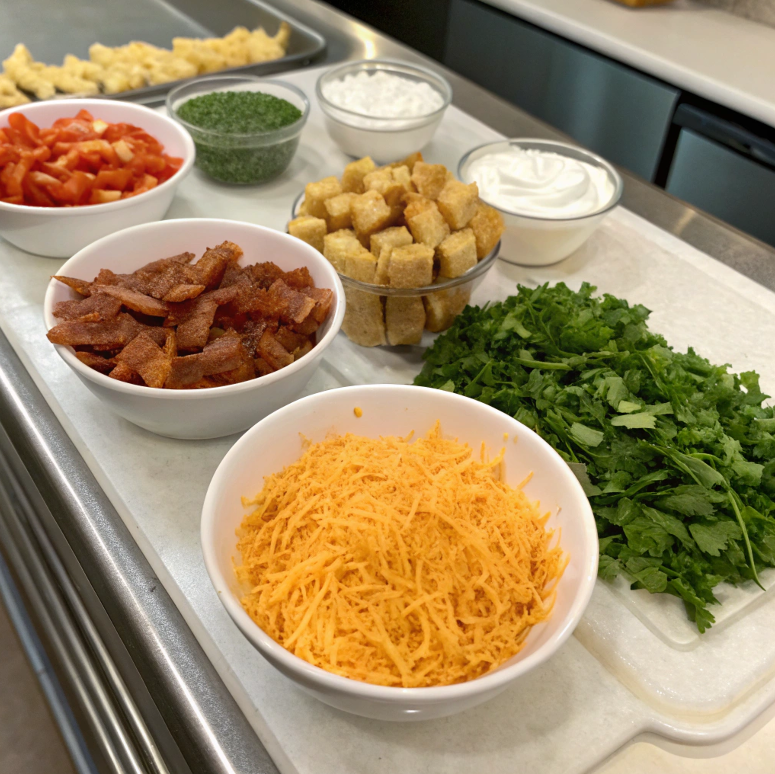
(154, 692)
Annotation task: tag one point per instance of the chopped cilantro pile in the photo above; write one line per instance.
(677, 455)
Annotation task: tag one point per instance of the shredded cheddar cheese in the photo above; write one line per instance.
(397, 563)
(358, 411)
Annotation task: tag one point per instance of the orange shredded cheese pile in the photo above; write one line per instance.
(397, 563)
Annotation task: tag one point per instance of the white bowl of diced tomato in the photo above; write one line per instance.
(75, 170)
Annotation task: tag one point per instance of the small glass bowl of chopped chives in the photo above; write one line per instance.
(246, 129)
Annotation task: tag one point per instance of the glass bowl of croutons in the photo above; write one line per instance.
(408, 240)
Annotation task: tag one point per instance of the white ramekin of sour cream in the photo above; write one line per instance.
(552, 195)
(382, 109)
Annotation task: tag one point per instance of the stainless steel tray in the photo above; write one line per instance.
(51, 30)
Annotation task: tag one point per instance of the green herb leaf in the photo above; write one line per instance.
(642, 420)
(713, 538)
(586, 435)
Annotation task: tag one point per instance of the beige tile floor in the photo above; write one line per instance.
(29, 739)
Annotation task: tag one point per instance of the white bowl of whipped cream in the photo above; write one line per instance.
(552, 195)
(382, 109)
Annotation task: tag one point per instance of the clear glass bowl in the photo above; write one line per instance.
(384, 139)
(244, 159)
(530, 240)
(443, 300)
(472, 277)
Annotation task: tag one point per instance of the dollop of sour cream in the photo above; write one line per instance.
(540, 184)
(383, 95)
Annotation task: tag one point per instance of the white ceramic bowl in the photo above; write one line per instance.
(216, 411)
(59, 232)
(396, 410)
(384, 139)
(534, 241)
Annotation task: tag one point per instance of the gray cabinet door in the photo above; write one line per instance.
(616, 112)
(725, 184)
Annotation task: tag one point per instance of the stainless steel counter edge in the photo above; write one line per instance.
(210, 729)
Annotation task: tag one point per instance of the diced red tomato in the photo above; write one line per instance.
(73, 162)
(25, 129)
(116, 179)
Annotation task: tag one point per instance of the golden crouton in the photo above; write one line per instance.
(308, 229)
(416, 203)
(487, 225)
(364, 321)
(338, 211)
(405, 320)
(382, 275)
(409, 161)
(338, 246)
(361, 265)
(315, 195)
(397, 236)
(427, 226)
(354, 172)
(457, 203)
(370, 213)
(411, 266)
(443, 306)
(391, 183)
(429, 179)
(457, 253)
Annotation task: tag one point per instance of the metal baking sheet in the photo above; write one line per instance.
(51, 30)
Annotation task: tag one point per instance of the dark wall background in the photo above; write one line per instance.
(421, 24)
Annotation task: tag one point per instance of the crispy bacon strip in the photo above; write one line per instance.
(147, 359)
(195, 318)
(82, 287)
(295, 306)
(323, 298)
(183, 292)
(213, 264)
(123, 373)
(113, 334)
(137, 302)
(98, 306)
(273, 352)
(224, 354)
(298, 279)
(265, 274)
(102, 364)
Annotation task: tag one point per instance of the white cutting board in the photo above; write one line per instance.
(635, 666)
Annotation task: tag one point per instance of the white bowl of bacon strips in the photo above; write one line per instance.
(75, 170)
(194, 328)
(398, 552)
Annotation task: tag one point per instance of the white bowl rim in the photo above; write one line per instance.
(394, 65)
(103, 380)
(557, 147)
(98, 209)
(328, 681)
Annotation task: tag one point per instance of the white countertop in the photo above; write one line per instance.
(712, 53)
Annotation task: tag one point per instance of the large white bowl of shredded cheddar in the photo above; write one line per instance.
(400, 553)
